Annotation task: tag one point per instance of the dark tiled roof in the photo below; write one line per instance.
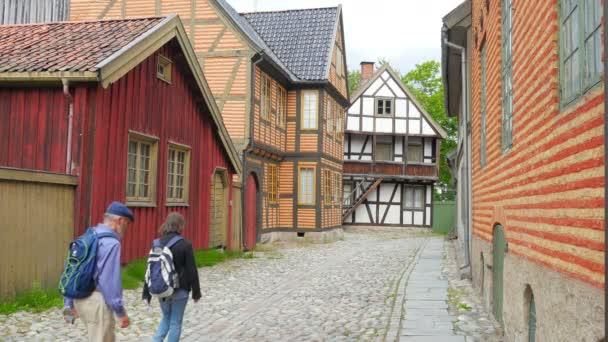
(66, 46)
(301, 39)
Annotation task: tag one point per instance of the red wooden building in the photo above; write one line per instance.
(120, 107)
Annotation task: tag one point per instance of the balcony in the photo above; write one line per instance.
(390, 169)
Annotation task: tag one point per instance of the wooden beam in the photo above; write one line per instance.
(36, 176)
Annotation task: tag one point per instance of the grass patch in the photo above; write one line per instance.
(35, 300)
(210, 257)
(463, 306)
(133, 274)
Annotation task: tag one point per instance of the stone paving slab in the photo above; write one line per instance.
(455, 338)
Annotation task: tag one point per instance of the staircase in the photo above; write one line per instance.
(348, 208)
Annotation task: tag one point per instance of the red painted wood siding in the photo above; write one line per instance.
(33, 135)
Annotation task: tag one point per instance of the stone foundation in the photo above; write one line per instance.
(566, 309)
(312, 237)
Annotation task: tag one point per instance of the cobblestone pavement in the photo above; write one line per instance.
(343, 291)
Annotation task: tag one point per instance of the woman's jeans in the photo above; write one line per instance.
(173, 313)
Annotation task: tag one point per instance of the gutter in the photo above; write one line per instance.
(467, 142)
(70, 99)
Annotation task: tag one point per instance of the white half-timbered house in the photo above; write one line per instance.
(391, 154)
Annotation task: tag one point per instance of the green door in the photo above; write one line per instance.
(499, 244)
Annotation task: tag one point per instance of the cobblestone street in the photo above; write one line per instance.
(351, 290)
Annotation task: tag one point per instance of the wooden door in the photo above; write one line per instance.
(218, 224)
(251, 225)
(499, 247)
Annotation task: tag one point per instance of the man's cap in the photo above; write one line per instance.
(119, 209)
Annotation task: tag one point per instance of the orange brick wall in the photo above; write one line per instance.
(547, 191)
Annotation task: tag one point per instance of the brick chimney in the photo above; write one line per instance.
(367, 70)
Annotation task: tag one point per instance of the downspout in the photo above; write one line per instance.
(467, 143)
(70, 98)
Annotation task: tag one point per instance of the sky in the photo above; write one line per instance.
(405, 32)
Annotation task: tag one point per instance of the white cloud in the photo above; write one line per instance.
(405, 32)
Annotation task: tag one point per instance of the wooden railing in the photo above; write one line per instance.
(389, 168)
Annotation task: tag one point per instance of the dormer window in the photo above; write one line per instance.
(384, 107)
(163, 68)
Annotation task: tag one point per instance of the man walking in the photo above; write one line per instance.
(98, 310)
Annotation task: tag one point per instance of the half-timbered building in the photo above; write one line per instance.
(279, 79)
(391, 154)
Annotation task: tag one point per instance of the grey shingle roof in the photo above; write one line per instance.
(301, 39)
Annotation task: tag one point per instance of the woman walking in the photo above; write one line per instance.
(173, 307)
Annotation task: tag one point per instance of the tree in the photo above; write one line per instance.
(425, 84)
(354, 78)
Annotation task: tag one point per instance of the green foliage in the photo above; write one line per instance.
(354, 78)
(424, 82)
(35, 300)
(210, 257)
(463, 306)
(133, 274)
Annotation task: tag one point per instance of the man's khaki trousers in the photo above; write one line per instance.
(97, 316)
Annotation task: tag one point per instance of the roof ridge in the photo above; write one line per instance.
(86, 21)
(288, 10)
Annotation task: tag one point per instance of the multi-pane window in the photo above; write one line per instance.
(384, 151)
(306, 185)
(163, 68)
(281, 106)
(327, 190)
(272, 180)
(414, 198)
(309, 109)
(337, 186)
(339, 124)
(507, 75)
(178, 160)
(266, 96)
(141, 169)
(329, 120)
(384, 106)
(346, 194)
(482, 144)
(414, 153)
(580, 47)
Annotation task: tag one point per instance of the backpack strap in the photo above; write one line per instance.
(173, 241)
(105, 234)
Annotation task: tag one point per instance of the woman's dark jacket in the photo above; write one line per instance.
(185, 266)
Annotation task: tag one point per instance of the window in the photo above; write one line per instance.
(580, 47)
(384, 151)
(327, 190)
(482, 144)
(265, 101)
(306, 186)
(163, 68)
(141, 169)
(339, 124)
(346, 194)
(507, 76)
(329, 120)
(337, 186)
(309, 109)
(281, 106)
(414, 153)
(272, 180)
(178, 166)
(414, 198)
(339, 62)
(384, 106)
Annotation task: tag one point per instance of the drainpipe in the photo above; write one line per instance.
(70, 98)
(467, 143)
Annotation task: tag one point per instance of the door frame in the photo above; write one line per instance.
(223, 173)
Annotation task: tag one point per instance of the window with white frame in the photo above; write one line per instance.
(414, 197)
(281, 106)
(414, 152)
(265, 100)
(310, 106)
